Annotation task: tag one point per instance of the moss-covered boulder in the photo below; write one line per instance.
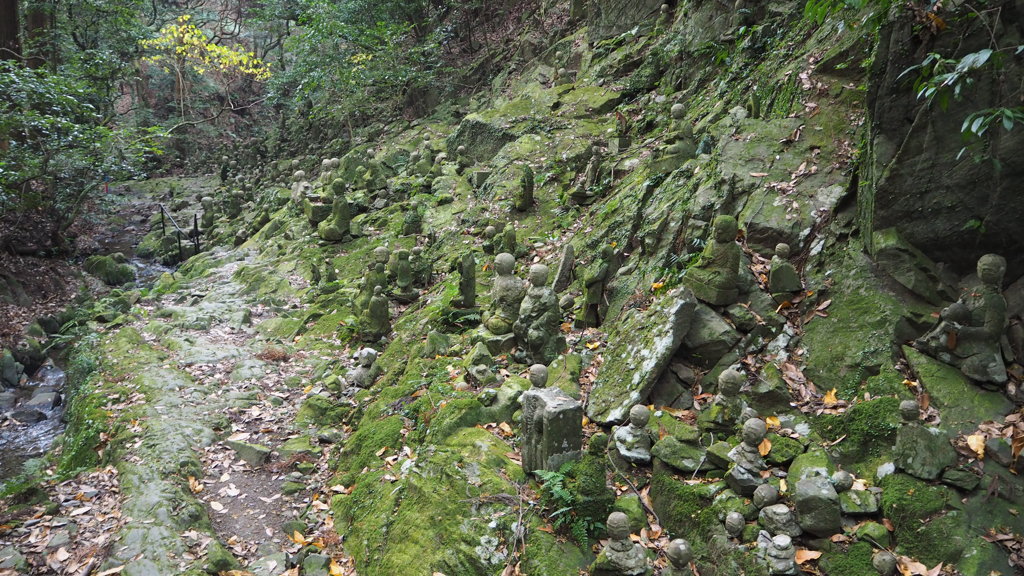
(109, 270)
(640, 347)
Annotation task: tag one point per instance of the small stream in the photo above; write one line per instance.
(31, 417)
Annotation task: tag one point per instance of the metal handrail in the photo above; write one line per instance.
(192, 234)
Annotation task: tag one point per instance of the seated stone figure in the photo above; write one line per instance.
(506, 295)
(633, 442)
(678, 145)
(537, 329)
(621, 556)
(970, 331)
(715, 277)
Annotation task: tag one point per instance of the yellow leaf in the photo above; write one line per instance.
(764, 447)
(804, 555)
(307, 389)
(830, 398)
(783, 486)
(195, 485)
(910, 383)
(298, 538)
(773, 422)
(976, 442)
(657, 286)
(586, 420)
(593, 345)
(336, 569)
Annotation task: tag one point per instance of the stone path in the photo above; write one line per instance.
(215, 476)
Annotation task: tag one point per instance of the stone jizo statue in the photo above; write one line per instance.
(405, 291)
(552, 424)
(375, 323)
(422, 269)
(537, 329)
(374, 276)
(679, 556)
(594, 302)
(633, 442)
(620, 557)
(970, 332)
(715, 277)
(781, 556)
(745, 475)
(585, 192)
(467, 281)
(507, 294)
(783, 280)
(365, 371)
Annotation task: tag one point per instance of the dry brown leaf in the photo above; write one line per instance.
(804, 555)
(911, 567)
(764, 447)
(194, 485)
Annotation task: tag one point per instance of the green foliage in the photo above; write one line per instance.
(562, 504)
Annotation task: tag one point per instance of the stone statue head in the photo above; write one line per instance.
(598, 444)
(460, 150)
(729, 382)
(782, 542)
(754, 430)
(338, 186)
(538, 375)
(639, 416)
(991, 268)
(725, 228)
(298, 176)
(562, 72)
(490, 232)
(607, 252)
(417, 250)
(403, 254)
(782, 250)
(538, 275)
(679, 553)
(366, 357)
(618, 526)
(910, 410)
(378, 267)
(381, 254)
(677, 111)
(504, 263)
(377, 290)
(595, 151)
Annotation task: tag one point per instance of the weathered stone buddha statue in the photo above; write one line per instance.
(507, 294)
(715, 277)
(537, 329)
(970, 331)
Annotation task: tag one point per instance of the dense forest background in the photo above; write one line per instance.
(97, 90)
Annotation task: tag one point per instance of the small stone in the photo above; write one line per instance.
(842, 480)
(779, 519)
(253, 454)
(817, 506)
(765, 495)
(734, 524)
(858, 502)
(884, 562)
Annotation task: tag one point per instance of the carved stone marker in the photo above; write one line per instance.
(552, 424)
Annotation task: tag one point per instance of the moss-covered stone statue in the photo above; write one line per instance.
(633, 441)
(510, 241)
(405, 291)
(209, 214)
(620, 557)
(970, 331)
(336, 227)
(537, 329)
(552, 424)
(490, 244)
(586, 192)
(467, 281)
(715, 277)
(522, 200)
(507, 294)
(422, 268)
(375, 322)
(374, 276)
(745, 474)
(783, 279)
(678, 145)
(781, 556)
(679, 556)
(366, 370)
(412, 222)
(594, 284)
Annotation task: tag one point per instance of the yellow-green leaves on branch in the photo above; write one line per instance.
(183, 43)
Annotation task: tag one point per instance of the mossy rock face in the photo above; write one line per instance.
(784, 449)
(319, 410)
(855, 341)
(681, 456)
(854, 561)
(910, 504)
(685, 510)
(870, 429)
(662, 423)
(361, 448)
(109, 270)
(455, 414)
(439, 518)
(586, 480)
(814, 462)
(548, 555)
(641, 346)
(962, 404)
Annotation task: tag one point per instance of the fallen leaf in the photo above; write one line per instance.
(976, 442)
(217, 506)
(830, 398)
(194, 485)
(764, 447)
(804, 555)
(593, 345)
(758, 174)
(111, 571)
(336, 569)
(773, 422)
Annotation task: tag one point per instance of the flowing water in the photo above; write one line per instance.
(31, 417)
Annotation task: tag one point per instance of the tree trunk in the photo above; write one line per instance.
(40, 47)
(10, 48)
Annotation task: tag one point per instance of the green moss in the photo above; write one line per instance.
(321, 411)
(361, 448)
(685, 509)
(587, 482)
(910, 504)
(854, 561)
(545, 554)
(869, 428)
